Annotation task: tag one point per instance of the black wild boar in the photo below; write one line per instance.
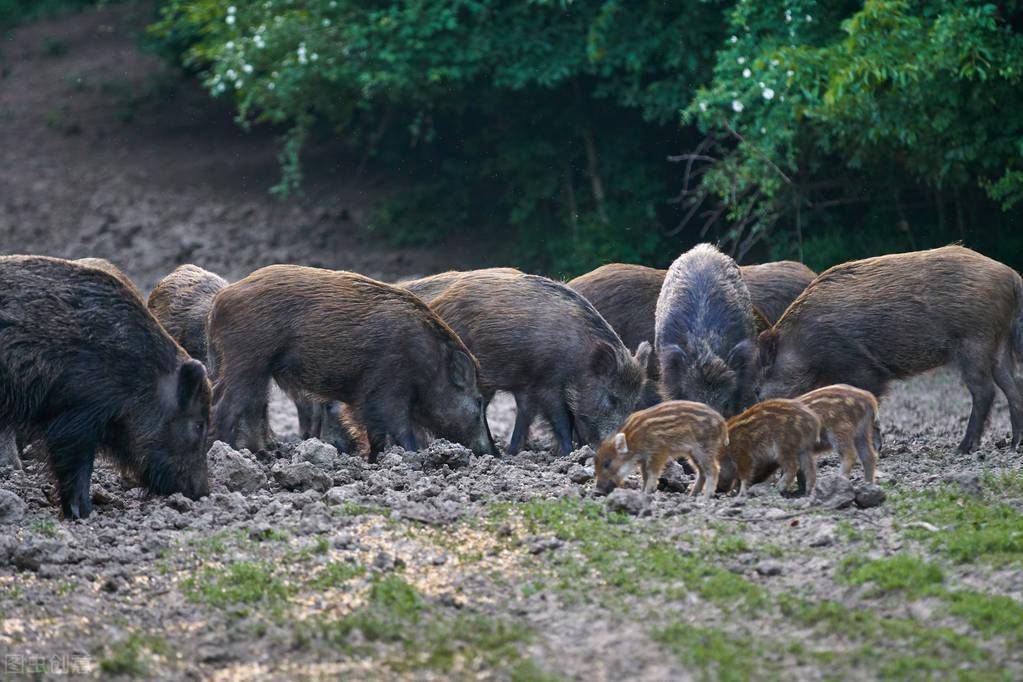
(705, 331)
(548, 346)
(869, 322)
(341, 336)
(774, 286)
(84, 366)
(182, 301)
(106, 266)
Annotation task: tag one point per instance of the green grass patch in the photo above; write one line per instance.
(613, 552)
(45, 527)
(237, 585)
(902, 572)
(973, 528)
(987, 613)
(133, 656)
(335, 574)
(718, 655)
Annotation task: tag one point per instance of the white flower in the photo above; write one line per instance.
(763, 131)
(788, 15)
(774, 62)
(231, 9)
(737, 106)
(231, 75)
(259, 42)
(229, 45)
(326, 22)
(761, 84)
(238, 85)
(301, 54)
(746, 73)
(768, 93)
(703, 106)
(741, 60)
(270, 86)
(230, 20)
(247, 68)
(734, 39)
(314, 56)
(808, 18)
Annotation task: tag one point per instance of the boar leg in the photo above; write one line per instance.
(556, 412)
(9, 449)
(71, 456)
(977, 376)
(868, 456)
(845, 447)
(524, 415)
(808, 466)
(1005, 377)
(699, 484)
(309, 417)
(790, 467)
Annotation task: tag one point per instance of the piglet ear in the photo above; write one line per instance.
(620, 444)
(767, 348)
(193, 387)
(643, 352)
(672, 358)
(604, 363)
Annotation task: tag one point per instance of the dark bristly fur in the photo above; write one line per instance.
(341, 336)
(705, 331)
(108, 267)
(774, 286)
(84, 366)
(869, 322)
(547, 345)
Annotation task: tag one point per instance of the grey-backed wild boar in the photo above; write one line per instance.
(549, 347)
(869, 322)
(671, 430)
(770, 435)
(106, 266)
(341, 336)
(85, 367)
(705, 331)
(849, 425)
(182, 302)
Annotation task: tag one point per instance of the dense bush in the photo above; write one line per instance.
(836, 129)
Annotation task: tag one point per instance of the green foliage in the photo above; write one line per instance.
(238, 584)
(718, 654)
(905, 573)
(131, 657)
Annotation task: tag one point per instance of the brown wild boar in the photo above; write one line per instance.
(869, 322)
(650, 438)
(848, 424)
(432, 286)
(770, 435)
(85, 367)
(774, 286)
(548, 346)
(705, 331)
(341, 336)
(626, 295)
(182, 301)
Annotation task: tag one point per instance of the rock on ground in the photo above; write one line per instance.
(238, 471)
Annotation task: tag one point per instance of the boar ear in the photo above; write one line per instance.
(643, 355)
(760, 322)
(604, 362)
(740, 355)
(620, 444)
(192, 385)
(767, 348)
(462, 369)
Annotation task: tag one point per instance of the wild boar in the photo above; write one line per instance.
(106, 266)
(548, 346)
(432, 286)
(650, 438)
(705, 332)
(182, 301)
(848, 425)
(85, 367)
(341, 336)
(626, 295)
(869, 322)
(774, 286)
(769, 435)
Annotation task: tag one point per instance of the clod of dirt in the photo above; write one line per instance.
(674, 478)
(583, 455)
(577, 473)
(869, 496)
(315, 451)
(441, 452)
(12, 508)
(824, 537)
(833, 492)
(235, 470)
(769, 567)
(762, 489)
(34, 552)
(969, 483)
(626, 501)
(301, 476)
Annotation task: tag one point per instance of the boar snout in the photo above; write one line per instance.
(605, 487)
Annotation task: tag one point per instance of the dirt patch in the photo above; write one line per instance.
(430, 566)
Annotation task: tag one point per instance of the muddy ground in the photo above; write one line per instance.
(439, 564)
(305, 563)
